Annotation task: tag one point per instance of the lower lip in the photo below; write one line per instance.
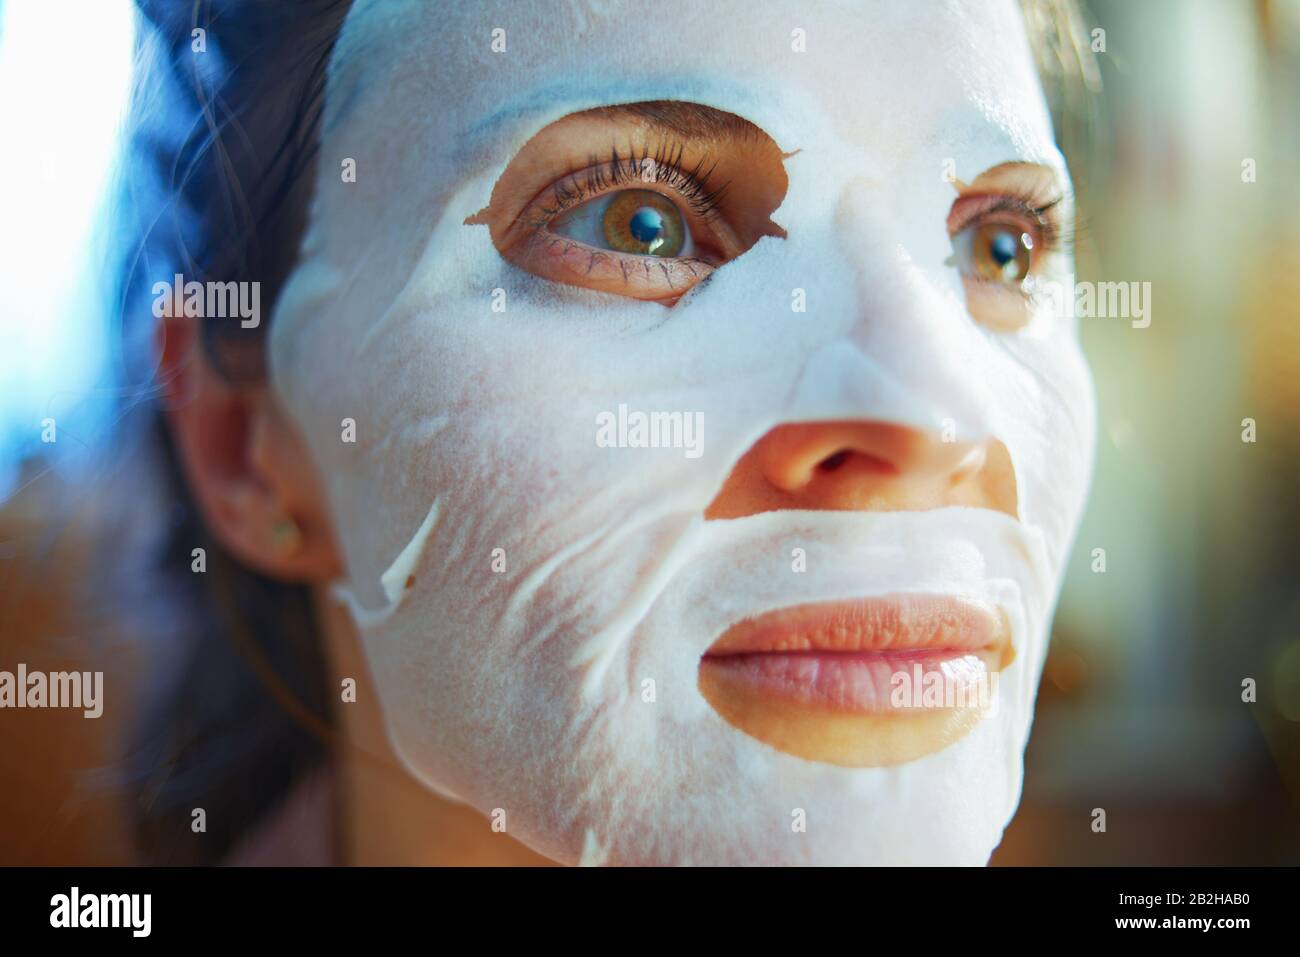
(876, 682)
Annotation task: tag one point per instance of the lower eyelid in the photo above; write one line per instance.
(560, 259)
(997, 306)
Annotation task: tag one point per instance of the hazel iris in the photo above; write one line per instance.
(644, 223)
(1001, 253)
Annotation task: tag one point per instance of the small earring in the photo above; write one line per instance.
(287, 537)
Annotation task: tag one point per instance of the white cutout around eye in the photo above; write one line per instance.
(586, 224)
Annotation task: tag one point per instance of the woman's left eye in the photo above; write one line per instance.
(1001, 244)
(996, 251)
(638, 222)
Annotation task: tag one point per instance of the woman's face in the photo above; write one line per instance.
(700, 400)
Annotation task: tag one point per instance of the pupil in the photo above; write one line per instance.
(646, 224)
(1003, 248)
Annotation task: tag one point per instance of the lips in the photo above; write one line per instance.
(884, 655)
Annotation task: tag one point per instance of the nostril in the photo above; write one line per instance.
(866, 462)
(832, 462)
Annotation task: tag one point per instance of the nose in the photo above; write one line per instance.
(865, 466)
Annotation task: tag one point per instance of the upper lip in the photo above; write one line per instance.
(900, 622)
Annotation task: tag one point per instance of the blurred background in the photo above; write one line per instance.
(1140, 710)
(1191, 182)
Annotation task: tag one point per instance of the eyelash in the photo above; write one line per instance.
(692, 185)
(1055, 235)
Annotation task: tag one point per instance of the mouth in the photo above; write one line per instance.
(864, 683)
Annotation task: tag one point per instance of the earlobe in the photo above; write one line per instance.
(287, 537)
(246, 465)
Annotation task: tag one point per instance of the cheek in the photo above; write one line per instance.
(1055, 414)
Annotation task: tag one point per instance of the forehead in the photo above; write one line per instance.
(892, 80)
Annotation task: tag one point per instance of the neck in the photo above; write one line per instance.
(388, 816)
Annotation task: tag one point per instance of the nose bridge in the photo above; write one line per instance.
(861, 215)
(910, 354)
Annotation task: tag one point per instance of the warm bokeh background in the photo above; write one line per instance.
(1141, 710)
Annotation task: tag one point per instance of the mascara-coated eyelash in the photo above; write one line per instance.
(663, 167)
(1053, 232)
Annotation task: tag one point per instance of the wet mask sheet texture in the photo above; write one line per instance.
(516, 584)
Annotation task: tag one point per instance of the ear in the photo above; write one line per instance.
(247, 464)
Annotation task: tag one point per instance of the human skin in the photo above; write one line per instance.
(911, 108)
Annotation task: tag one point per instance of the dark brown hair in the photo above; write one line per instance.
(218, 168)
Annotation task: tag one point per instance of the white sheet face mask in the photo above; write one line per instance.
(516, 584)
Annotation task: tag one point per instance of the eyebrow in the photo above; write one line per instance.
(689, 120)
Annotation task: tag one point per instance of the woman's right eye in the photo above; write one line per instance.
(612, 229)
(632, 242)
(642, 200)
(637, 222)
